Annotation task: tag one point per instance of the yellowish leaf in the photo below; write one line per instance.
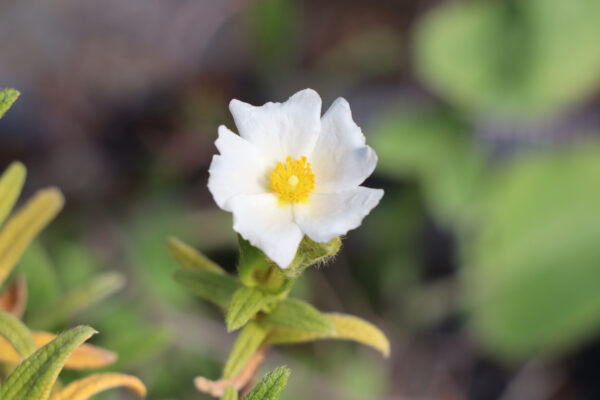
(189, 258)
(83, 389)
(25, 225)
(86, 356)
(11, 183)
(347, 327)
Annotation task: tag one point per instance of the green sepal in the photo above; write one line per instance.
(34, 378)
(245, 304)
(217, 288)
(271, 386)
(311, 253)
(255, 269)
(7, 98)
(247, 343)
(297, 314)
(17, 334)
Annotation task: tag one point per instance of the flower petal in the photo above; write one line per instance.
(281, 129)
(268, 225)
(340, 159)
(238, 170)
(326, 216)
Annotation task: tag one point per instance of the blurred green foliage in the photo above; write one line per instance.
(514, 58)
(531, 275)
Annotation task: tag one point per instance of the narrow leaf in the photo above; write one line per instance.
(17, 334)
(347, 327)
(11, 183)
(245, 303)
(271, 385)
(85, 356)
(246, 344)
(34, 377)
(189, 258)
(7, 98)
(25, 225)
(297, 314)
(215, 287)
(78, 299)
(230, 394)
(83, 389)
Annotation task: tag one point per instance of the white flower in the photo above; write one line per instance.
(291, 172)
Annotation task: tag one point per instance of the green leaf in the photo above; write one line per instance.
(247, 343)
(245, 303)
(189, 258)
(271, 386)
(78, 300)
(230, 394)
(297, 314)
(34, 378)
(347, 327)
(17, 334)
(215, 287)
(531, 273)
(42, 281)
(7, 98)
(11, 183)
(514, 58)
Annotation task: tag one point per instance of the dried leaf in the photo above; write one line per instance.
(14, 299)
(83, 389)
(217, 388)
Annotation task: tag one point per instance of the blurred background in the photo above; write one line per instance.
(482, 262)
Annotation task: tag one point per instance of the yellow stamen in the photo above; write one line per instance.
(293, 181)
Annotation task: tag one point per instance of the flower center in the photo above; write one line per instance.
(293, 181)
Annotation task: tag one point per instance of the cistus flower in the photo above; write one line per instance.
(291, 172)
